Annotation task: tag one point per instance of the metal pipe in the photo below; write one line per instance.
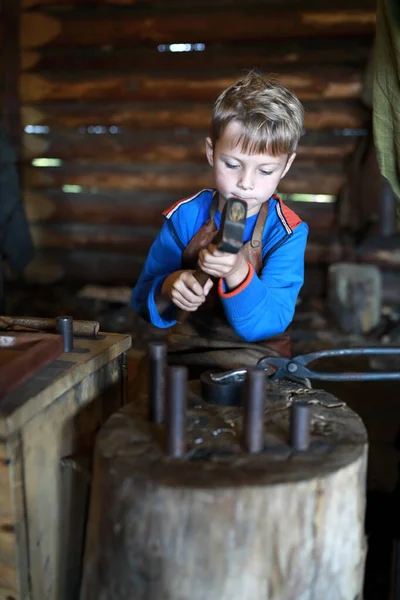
(157, 367)
(64, 327)
(176, 411)
(254, 404)
(300, 425)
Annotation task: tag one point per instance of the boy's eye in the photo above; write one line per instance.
(231, 166)
(266, 172)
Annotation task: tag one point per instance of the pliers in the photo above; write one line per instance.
(296, 368)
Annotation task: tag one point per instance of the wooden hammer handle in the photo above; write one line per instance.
(84, 328)
(202, 278)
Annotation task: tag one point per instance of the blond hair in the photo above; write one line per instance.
(271, 115)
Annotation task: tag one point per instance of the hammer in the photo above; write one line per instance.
(229, 238)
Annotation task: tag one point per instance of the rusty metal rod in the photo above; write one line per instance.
(254, 404)
(80, 328)
(157, 367)
(64, 327)
(176, 411)
(300, 425)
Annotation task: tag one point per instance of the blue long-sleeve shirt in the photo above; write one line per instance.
(263, 305)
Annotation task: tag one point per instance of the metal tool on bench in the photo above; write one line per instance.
(229, 237)
(79, 328)
(223, 386)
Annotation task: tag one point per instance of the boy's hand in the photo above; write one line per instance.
(232, 267)
(185, 291)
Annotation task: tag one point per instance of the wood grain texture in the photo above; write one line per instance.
(56, 509)
(282, 54)
(17, 408)
(8, 545)
(182, 4)
(17, 499)
(205, 25)
(163, 146)
(56, 3)
(22, 355)
(220, 523)
(183, 179)
(328, 114)
(327, 83)
(137, 209)
(45, 427)
(84, 266)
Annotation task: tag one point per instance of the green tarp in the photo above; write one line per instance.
(386, 91)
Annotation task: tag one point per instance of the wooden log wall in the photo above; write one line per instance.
(122, 120)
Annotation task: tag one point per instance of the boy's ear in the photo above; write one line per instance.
(289, 164)
(210, 151)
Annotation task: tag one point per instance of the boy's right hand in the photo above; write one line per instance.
(185, 291)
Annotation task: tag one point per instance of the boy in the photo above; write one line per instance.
(249, 298)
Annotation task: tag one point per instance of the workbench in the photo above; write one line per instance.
(47, 429)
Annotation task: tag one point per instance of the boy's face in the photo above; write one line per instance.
(250, 177)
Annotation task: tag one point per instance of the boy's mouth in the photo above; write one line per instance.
(241, 198)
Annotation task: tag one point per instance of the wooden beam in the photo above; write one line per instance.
(158, 147)
(310, 84)
(84, 266)
(77, 236)
(182, 4)
(328, 114)
(182, 178)
(283, 53)
(88, 265)
(138, 209)
(133, 27)
(56, 3)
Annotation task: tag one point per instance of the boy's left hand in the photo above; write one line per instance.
(231, 267)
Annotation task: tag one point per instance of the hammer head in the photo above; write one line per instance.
(233, 222)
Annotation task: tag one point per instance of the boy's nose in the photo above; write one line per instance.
(246, 183)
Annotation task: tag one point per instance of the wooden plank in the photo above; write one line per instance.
(183, 179)
(183, 4)
(205, 25)
(341, 51)
(84, 267)
(56, 3)
(17, 500)
(64, 115)
(311, 84)
(158, 147)
(136, 209)
(20, 406)
(138, 239)
(76, 236)
(123, 269)
(30, 353)
(58, 494)
(8, 549)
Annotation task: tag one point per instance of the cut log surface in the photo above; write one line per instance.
(222, 524)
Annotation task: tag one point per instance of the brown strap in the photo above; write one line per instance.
(259, 226)
(214, 205)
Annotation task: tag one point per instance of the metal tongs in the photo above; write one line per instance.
(296, 368)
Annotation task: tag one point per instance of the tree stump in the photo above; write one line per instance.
(223, 524)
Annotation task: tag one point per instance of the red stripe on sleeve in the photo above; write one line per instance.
(240, 288)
